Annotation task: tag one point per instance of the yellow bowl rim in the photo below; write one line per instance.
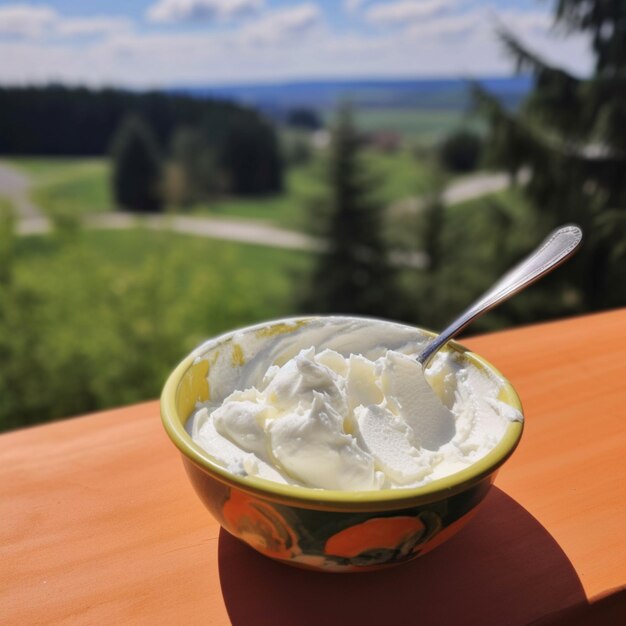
(309, 497)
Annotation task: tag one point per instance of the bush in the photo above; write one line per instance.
(193, 174)
(461, 151)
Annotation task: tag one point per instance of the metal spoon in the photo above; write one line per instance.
(559, 246)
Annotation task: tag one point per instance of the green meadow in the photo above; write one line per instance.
(95, 319)
(68, 186)
(81, 186)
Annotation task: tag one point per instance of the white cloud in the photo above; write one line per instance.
(482, 23)
(282, 24)
(525, 22)
(25, 20)
(165, 11)
(406, 11)
(32, 22)
(351, 6)
(92, 26)
(292, 43)
(448, 26)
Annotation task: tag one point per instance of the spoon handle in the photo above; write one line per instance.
(556, 249)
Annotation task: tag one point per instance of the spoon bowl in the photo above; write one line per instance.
(321, 529)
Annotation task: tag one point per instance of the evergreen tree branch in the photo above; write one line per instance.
(516, 142)
(605, 21)
(525, 59)
(569, 135)
(581, 110)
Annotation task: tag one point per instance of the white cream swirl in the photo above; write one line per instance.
(352, 421)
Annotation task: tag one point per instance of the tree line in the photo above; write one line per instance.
(66, 121)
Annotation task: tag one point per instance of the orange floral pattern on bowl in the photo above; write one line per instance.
(400, 533)
(331, 541)
(260, 525)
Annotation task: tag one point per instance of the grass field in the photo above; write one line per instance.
(399, 174)
(44, 169)
(255, 279)
(80, 186)
(288, 209)
(97, 319)
(69, 186)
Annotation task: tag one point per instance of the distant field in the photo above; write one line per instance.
(419, 125)
(68, 185)
(429, 93)
(288, 209)
(45, 169)
(398, 174)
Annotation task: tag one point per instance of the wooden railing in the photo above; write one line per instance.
(99, 525)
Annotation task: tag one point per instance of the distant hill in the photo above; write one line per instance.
(441, 94)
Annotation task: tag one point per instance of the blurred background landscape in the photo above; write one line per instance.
(177, 168)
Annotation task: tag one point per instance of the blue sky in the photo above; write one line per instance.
(154, 43)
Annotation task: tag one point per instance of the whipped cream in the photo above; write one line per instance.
(331, 419)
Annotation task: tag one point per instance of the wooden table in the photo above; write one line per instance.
(98, 524)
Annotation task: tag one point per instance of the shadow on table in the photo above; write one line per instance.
(503, 568)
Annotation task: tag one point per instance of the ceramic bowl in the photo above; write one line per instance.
(320, 529)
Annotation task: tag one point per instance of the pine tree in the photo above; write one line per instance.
(136, 167)
(354, 274)
(571, 136)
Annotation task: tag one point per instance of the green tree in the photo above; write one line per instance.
(250, 153)
(354, 274)
(569, 135)
(461, 151)
(136, 167)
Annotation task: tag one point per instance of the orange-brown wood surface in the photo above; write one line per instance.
(99, 525)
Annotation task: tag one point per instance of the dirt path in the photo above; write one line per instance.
(475, 186)
(244, 231)
(467, 188)
(15, 187)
